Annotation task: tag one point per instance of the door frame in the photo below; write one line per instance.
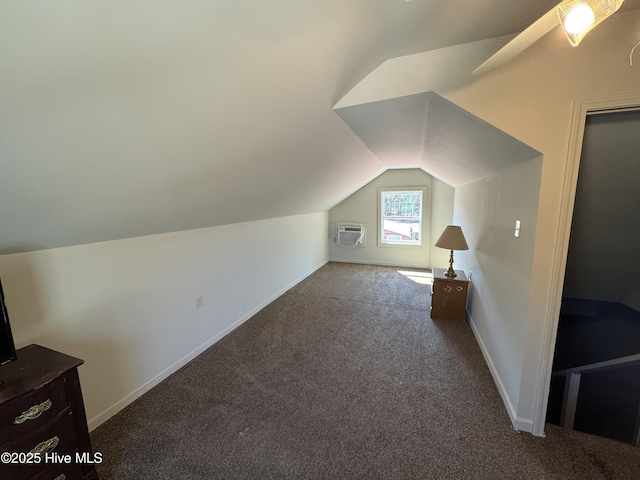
(581, 109)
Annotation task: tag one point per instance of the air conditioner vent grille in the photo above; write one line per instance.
(350, 235)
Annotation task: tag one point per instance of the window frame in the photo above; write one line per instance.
(381, 242)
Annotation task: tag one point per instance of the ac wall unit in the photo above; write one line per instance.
(350, 234)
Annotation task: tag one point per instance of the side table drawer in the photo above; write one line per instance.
(32, 410)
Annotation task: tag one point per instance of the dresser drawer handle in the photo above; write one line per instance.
(61, 477)
(447, 288)
(459, 288)
(33, 413)
(46, 446)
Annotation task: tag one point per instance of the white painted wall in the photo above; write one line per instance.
(533, 98)
(500, 265)
(127, 307)
(362, 207)
(442, 201)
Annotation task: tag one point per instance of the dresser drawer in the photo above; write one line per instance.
(71, 471)
(32, 410)
(42, 388)
(57, 437)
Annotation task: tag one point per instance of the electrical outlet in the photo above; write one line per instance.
(199, 301)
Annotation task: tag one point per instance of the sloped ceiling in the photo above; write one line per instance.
(127, 118)
(429, 132)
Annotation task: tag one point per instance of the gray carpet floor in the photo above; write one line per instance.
(344, 376)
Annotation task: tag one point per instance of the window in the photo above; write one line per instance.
(401, 218)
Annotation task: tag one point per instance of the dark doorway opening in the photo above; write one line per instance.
(595, 385)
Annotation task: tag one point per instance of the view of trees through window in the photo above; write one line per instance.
(401, 221)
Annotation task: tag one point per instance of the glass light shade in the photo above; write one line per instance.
(578, 17)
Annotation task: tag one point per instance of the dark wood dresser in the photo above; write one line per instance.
(449, 296)
(43, 425)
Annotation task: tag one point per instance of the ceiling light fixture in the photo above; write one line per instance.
(578, 17)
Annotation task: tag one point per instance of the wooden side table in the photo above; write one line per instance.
(449, 296)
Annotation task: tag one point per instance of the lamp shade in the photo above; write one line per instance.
(452, 239)
(578, 17)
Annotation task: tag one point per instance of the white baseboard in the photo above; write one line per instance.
(138, 392)
(519, 423)
(382, 264)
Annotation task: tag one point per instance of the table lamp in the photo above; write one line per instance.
(452, 239)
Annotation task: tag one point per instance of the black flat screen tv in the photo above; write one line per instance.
(7, 347)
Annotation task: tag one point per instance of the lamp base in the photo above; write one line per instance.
(451, 272)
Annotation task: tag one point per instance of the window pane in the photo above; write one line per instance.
(401, 217)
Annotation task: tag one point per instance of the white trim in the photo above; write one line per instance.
(581, 109)
(519, 423)
(138, 392)
(424, 231)
(382, 264)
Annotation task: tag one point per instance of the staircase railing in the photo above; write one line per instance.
(572, 388)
